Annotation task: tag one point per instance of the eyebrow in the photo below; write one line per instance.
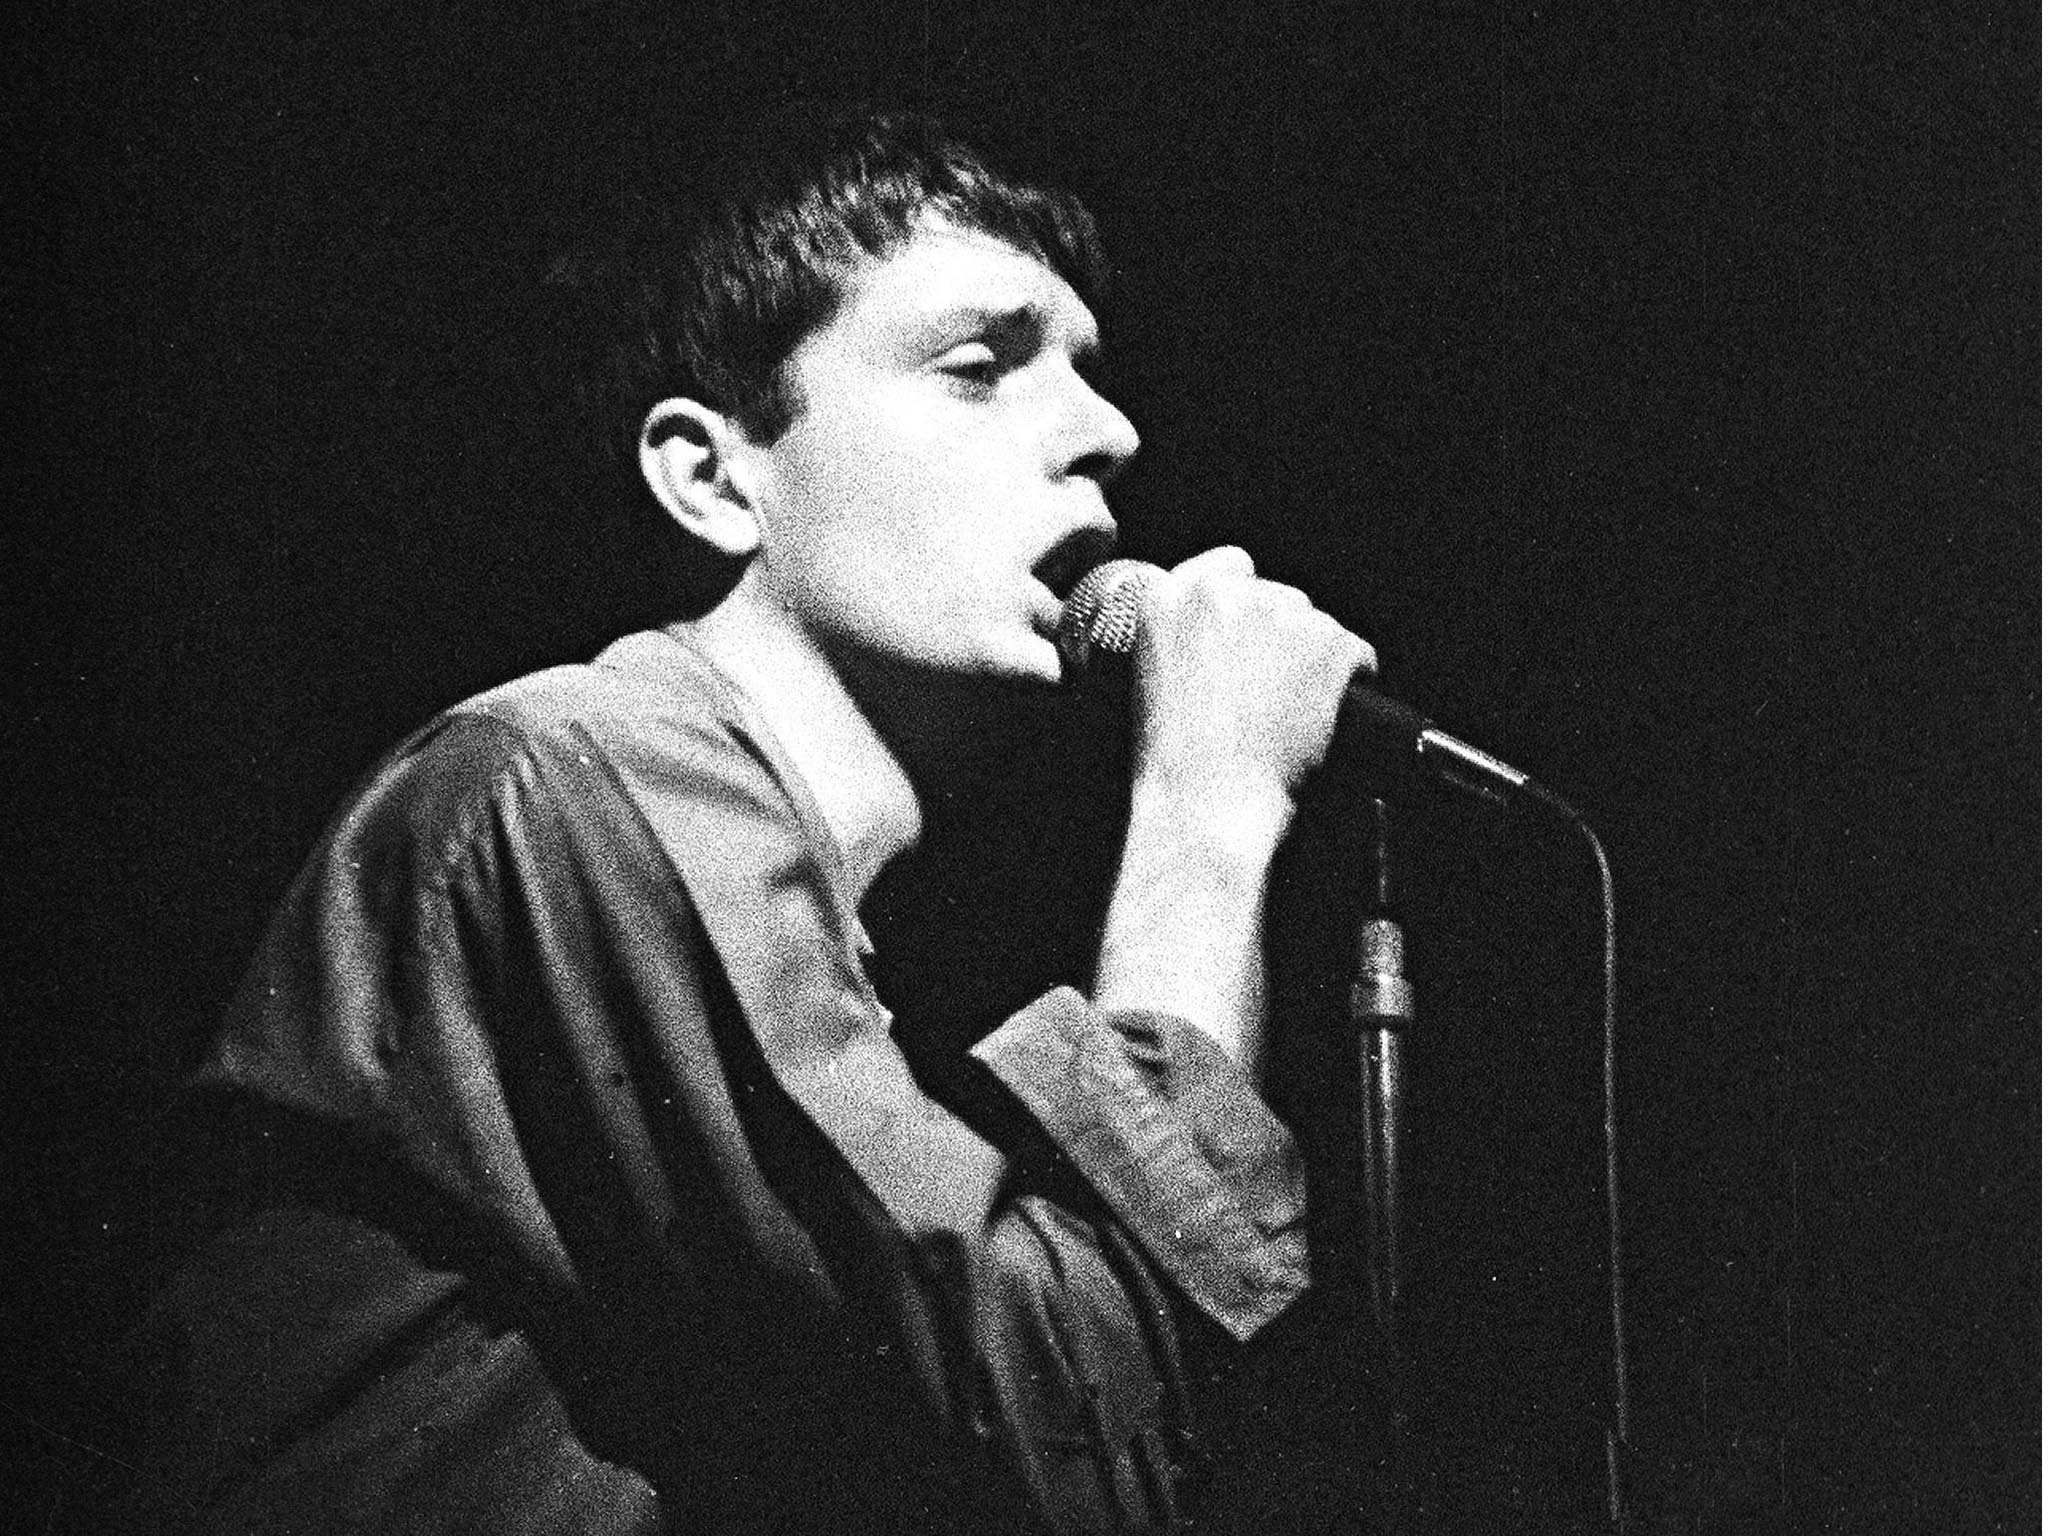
(1029, 318)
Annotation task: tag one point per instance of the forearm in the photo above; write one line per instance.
(1236, 688)
(1186, 924)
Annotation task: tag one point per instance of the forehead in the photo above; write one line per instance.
(945, 278)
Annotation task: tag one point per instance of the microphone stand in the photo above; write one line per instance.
(1382, 1012)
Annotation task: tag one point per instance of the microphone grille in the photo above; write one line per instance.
(1102, 614)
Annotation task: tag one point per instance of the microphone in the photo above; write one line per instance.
(1105, 612)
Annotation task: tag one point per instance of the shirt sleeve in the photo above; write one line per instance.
(610, 1038)
(1166, 1129)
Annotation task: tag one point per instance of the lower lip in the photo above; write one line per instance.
(1046, 615)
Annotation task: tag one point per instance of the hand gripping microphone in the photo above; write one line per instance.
(1105, 614)
(1106, 611)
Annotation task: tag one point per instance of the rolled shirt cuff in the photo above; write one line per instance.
(1170, 1133)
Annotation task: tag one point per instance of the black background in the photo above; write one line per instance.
(1657, 386)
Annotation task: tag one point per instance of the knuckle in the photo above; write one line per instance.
(1226, 562)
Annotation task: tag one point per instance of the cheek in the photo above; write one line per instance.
(875, 451)
(911, 482)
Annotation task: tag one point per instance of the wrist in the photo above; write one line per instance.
(1218, 822)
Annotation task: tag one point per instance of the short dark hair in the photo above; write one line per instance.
(717, 275)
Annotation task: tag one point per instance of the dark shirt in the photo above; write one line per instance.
(570, 1178)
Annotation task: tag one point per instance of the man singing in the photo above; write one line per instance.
(572, 1179)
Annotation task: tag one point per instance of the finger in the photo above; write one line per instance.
(1223, 560)
(1364, 659)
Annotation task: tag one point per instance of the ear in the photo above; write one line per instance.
(690, 458)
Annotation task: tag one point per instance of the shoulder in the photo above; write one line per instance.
(646, 724)
(644, 694)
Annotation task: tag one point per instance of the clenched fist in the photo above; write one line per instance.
(1236, 688)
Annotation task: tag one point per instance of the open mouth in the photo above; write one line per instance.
(1072, 558)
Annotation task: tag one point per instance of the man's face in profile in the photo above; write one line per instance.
(942, 482)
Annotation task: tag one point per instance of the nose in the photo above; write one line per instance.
(1096, 439)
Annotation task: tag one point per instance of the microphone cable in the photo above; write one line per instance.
(1617, 1439)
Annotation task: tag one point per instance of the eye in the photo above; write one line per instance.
(973, 363)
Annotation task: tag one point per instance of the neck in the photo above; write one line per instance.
(859, 784)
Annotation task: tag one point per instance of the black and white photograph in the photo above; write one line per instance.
(1024, 767)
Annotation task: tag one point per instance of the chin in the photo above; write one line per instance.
(1016, 656)
(1036, 665)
